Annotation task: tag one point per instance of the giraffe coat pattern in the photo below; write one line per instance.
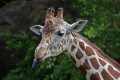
(58, 36)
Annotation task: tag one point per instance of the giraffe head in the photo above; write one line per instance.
(54, 33)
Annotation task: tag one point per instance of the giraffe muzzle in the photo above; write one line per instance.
(38, 60)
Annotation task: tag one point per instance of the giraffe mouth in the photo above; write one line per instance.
(38, 60)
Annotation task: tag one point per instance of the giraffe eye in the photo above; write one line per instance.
(59, 33)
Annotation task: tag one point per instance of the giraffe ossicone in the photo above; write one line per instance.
(58, 36)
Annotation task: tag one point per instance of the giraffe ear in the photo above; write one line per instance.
(37, 29)
(78, 25)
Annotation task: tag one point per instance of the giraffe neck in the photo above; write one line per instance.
(89, 59)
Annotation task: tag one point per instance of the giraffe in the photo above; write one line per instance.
(58, 36)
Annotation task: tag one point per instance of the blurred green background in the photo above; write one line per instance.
(17, 46)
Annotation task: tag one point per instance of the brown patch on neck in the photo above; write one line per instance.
(94, 63)
(83, 68)
(82, 45)
(79, 55)
(89, 51)
(105, 75)
(100, 53)
(113, 72)
(73, 47)
(86, 65)
(95, 77)
(102, 62)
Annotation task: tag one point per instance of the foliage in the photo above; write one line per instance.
(50, 69)
(103, 23)
(103, 29)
